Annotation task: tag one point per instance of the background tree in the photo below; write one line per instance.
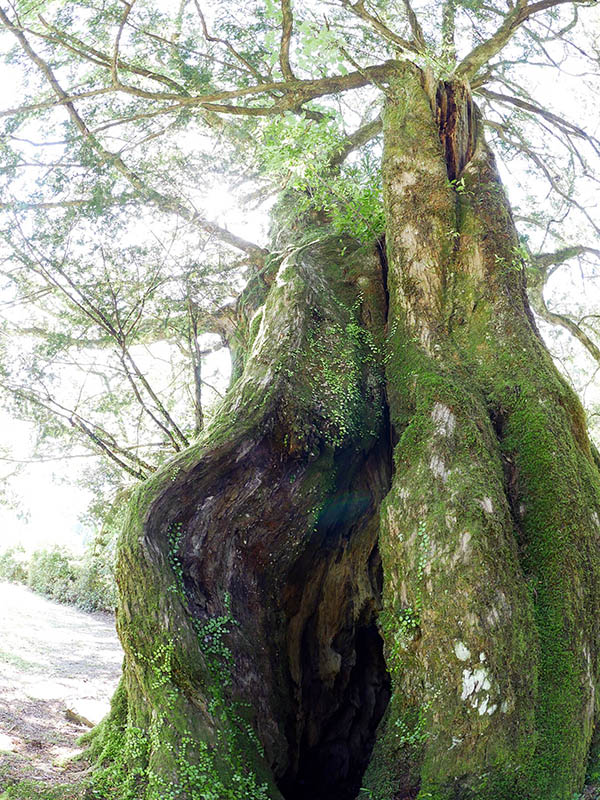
(103, 345)
(379, 567)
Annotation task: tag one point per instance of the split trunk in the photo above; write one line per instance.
(378, 573)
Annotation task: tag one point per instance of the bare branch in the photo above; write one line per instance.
(209, 38)
(169, 427)
(563, 124)
(539, 306)
(544, 261)
(115, 331)
(125, 458)
(65, 99)
(359, 10)
(506, 133)
(85, 51)
(449, 29)
(360, 136)
(539, 272)
(81, 202)
(415, 26)
(115, 59)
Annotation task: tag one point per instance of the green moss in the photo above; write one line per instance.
(152, 746)
(489, 535)
(556, 502)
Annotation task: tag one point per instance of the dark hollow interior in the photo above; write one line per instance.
(332, 733)
(332, 767)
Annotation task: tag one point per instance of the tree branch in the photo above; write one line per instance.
(85, 51)
(546, 260)
(209, 38)
(359, 10)
(563, 124)
(286, 37)
(539, 273)
(538, 160)
(482, 53)
(115, 59)
(104, 441)
(415, 26)
(449, 29)
(355, 140)
(539, 306)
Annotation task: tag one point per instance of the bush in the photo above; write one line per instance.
(87, 583)
(94, 584)
(51, 574)
(13, 565)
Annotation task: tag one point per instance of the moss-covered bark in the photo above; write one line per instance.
(489, 534)
(248, 571)
(267, 572)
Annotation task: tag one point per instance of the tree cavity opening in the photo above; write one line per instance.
(340, 683)
(333, 755)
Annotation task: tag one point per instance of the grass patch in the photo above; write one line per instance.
(36, 790)
(17, 661)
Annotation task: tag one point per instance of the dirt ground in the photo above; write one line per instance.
(55, 661)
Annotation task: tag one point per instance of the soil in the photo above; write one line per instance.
(58, 667)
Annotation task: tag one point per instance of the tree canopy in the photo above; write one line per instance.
(126, 118)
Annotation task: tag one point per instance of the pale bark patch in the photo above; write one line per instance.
(487, 505)
(461, 651)
(473, 682)
(404, 181)
(438, 468)
(444, 419)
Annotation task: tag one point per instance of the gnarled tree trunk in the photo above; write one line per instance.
(378, 572)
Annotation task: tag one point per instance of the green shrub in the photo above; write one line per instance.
(51, 573)
(13, 565)
(87, 582)
(94, 583)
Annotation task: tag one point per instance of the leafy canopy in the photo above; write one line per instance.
(127, 116)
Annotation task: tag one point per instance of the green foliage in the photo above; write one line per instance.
(128, 773)
(175, 534)
(13, 565)
(212, 638)
(95, 588)
(51, 573)
(300, 152)
(86, 582)
(38, 790)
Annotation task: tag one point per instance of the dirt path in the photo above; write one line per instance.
(53, 659)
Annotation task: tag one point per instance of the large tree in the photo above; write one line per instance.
(378, 571)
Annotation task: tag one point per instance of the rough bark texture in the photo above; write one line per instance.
(249, 571)
(383, 556)
(489, 535)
